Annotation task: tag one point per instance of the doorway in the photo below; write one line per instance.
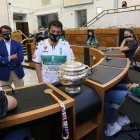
(44, 20)
(81, 18)
(23, 26)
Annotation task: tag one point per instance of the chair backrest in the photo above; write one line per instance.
(133, 60)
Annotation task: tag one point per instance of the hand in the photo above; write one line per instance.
(132, 86)
(14, 56)
(127, 39)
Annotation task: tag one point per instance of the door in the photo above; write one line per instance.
(23, 26)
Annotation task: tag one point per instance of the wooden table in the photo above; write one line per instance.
(111, 52)
(34, 106)
(101, 85)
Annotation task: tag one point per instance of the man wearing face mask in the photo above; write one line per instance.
(41, 35)
(11, 56)
(53, 53)
(129, 44)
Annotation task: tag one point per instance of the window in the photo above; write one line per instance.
(45, 2)
(44, 20)
(99, 10)
(17, 17)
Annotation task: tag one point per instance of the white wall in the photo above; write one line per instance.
(20, 3)
(4, 19)
(34, 8)
(119, 20)
(129, 3)
(69, 14)
(31, 9)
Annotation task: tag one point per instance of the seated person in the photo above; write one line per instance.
(124, 4)
(117, 96)
(129, 44)
(91, 39)
(7, 103)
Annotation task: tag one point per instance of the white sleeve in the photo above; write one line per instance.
(69, 51)
(37, 55)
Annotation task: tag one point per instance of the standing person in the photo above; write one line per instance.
(129, 44)
(41, 35)
(91, 39)
(11, 56)
(49, 56)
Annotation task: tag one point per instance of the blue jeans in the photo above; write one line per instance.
(114, 96)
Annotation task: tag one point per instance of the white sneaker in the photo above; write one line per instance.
(123, 120)
(112, 129)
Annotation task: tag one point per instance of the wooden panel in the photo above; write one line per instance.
(107, 40)
(107, 37)
(86, 128)
(17, 36)
(76, 31)
(137, 31)
(78, 53)
(76, 36)
(106, 31)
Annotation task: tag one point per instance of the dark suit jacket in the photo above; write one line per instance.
(5, 65)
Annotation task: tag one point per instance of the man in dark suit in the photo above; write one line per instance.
(11, 56)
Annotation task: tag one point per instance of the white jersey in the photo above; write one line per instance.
(52, 58)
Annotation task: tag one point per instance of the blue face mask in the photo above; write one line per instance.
(6, 36)
(54, 37)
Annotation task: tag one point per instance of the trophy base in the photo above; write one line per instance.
(72, 90)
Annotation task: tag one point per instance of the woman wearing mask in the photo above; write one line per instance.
(129, 44)
(91, 39)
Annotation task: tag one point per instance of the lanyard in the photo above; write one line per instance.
(65, 127)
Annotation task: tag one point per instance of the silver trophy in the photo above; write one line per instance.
(72, 75)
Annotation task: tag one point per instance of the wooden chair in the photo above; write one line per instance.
(134, 59)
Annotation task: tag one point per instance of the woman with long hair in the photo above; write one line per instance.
(91, 39)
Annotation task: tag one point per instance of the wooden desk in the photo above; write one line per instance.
(102, 87)
(111, 53)
(23, 115)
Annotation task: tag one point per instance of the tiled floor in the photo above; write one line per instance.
(30, 77)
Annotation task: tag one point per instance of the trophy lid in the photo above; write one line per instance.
(72, 66)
